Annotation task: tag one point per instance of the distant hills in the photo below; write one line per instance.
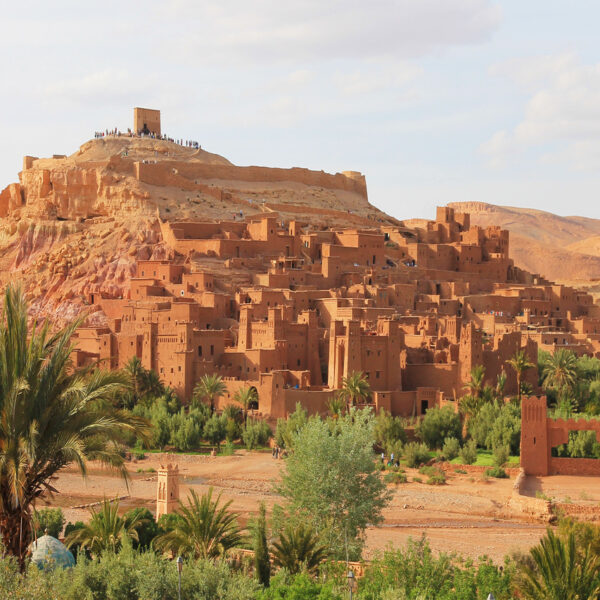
(564, 249)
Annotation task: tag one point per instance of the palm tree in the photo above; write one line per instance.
(475, 385)
(336, 406)
(209, 389)
(136, 373)
(297, 549)
(520, 363)
(560, 370)
(355, 388)
(51, 414)
(106, 530)
(246, 396)
(559, 571)
(500, 383)
(203, 529)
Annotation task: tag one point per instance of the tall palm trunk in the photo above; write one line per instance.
(15, 525)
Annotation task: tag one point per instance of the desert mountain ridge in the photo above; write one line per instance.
(562, 249)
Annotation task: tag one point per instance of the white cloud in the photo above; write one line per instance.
(564, 109)
(110, 85)
(270, 30)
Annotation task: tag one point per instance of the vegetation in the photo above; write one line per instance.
(260, 545)
(203, 529)
(48, 521)
(106, 530)
(439, 424)
(416, 454)
(331, 482)
(355, 389)
(246, 396)
(298, 549)
(209, 389)
(520, 364)
(50, 415)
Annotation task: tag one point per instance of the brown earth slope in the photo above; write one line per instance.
(563, 249)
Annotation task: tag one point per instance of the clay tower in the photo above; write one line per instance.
(167, 490)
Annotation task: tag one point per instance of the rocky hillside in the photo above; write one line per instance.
(74, 226)
(565, 249)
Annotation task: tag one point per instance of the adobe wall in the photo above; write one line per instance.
(539, 434)
(159, 173)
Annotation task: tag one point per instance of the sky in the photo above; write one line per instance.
(435, 101)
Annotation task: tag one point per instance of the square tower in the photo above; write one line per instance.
(146, 120)
(167, 490)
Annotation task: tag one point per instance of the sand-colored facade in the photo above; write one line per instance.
(292, 309)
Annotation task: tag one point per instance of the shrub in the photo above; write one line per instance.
(233, 430)
(389, 432)
(438, 477)
(288, 428)
(460, 471)
(395, 478)
(417, 479)
(439, 424)
(468, 453)
(416, 454)
(501, 456)
(451, 448)
(497, 472)
(256, 434)
(48, 519)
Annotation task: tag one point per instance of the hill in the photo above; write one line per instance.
(564, 249)
(77, 224)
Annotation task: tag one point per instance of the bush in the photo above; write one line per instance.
(50, 520)
(416, 454)
(233, 430)
(497, 472)
(468, 453)
(298, 587)
(437, 478)
(185, 431)
(451, 448)
(389, 432)
(395, 478)
(439, 424)
(147, 531)
(501, 455)
(256, 434)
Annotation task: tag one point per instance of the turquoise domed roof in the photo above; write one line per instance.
(48, 552)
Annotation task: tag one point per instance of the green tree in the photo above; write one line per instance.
(205, 528)
(331, 482)
(48, 520)
(288, 428)
(437, 425)
(520, 364)
(106, 530)
(389, 431)
(147, 529)
(559, 571)
(246, 396)
(355, 389)
(215, 430)
(559, 371)
(476, 383)
(298, 549)
(260, 545)
(209, 389)
(51, 415)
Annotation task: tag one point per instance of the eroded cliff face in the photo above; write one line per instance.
(73, 227)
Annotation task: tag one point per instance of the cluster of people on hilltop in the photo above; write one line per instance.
(117, 133)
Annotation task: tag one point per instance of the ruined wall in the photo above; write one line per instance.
(158, 173)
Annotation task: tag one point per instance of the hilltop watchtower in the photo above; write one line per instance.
(167, 490)
(146, 120)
